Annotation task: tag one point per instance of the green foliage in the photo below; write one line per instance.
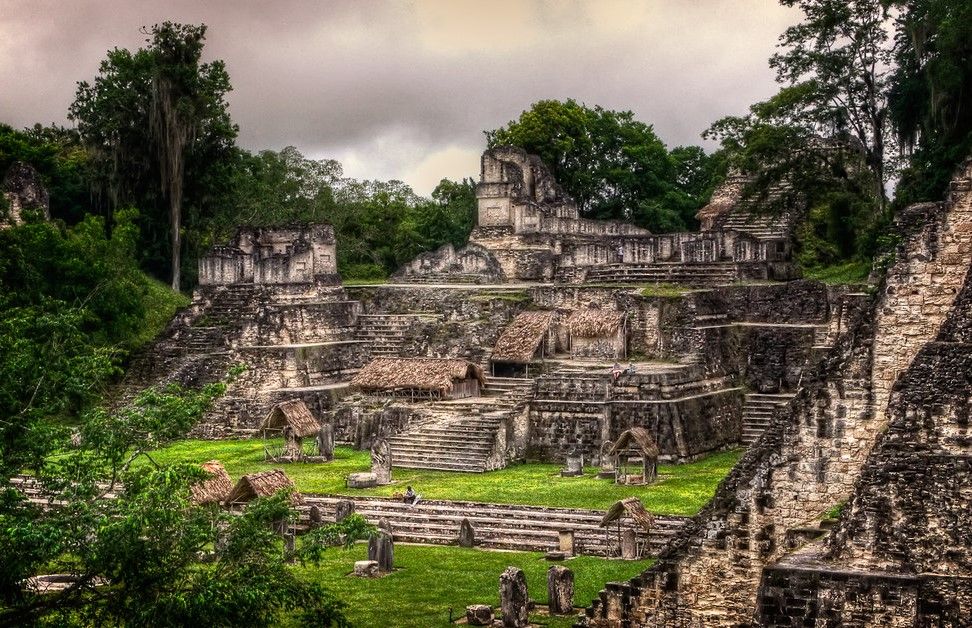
(930, 108)
(838, 58)
(56, 153)
(136, 557)
(682, 489)
(664, 290)
(158, 131)
(613, 165)
(84, 269)
(834, 513)
(853, 272)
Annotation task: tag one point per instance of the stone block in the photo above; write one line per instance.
(343, 509)
(467, 536)
(363, 479)
(381, 549)
(366, 568)
(479, 615)
(514, 599)
(560, 590)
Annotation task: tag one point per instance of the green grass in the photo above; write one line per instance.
(849, 272)
(664, 290)
(347, 281)
(516, 296)
(428, 581)
(161, 304)
(681, 489)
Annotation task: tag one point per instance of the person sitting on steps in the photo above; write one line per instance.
(615, 372)
(411, 497)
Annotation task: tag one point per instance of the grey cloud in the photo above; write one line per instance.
(391, 84)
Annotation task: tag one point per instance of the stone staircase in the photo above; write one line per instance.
(457, 443)
(517, 388)
(758, 411)
(762, 226)
(496, 526)
(690, 274)
(386, 334)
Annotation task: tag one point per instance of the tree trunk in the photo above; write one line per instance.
(175, 221)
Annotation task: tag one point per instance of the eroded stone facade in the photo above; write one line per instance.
(813, 457)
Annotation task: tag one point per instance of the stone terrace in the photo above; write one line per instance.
(497, 526)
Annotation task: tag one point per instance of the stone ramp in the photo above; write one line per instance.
(758, 411)
(685, 273)
(497, 526)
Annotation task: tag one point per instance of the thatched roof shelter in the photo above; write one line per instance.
(293, 414)
(522, 338)
(636, 438)
(630, 507)
(262, 484)
(429, 374)
(213, 489)
(595, 323)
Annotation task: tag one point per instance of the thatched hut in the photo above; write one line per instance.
(629, 508)
(635, 455)
(632, 508)
(262, 484)
(214, 489)
(294, 421)
(597, 333)
(525, 339)
(420, 378)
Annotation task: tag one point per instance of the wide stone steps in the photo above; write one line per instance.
(691, 274)
(758, 413)
(451, 444)
(498, 526)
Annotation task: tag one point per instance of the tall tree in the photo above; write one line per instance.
(931, 93)
(840, 56)
(156, 120)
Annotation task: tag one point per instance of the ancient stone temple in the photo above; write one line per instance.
(528, 229)
(879, 432)
(22, 189)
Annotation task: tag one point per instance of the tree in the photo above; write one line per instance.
(156, 120)
(839, 59)
(929, 97)
(614, 166)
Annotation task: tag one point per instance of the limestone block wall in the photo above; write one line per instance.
(285, 255)
(810, 457)
(472, 264)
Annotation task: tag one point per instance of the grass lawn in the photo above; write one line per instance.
(428, 581)
(681, 490)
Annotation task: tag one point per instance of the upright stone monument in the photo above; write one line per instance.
(560, 590)
(325, 442)
(629, 544)
(343, 509)
(467, 536)
(514, 599)
(381, 549)
(381, 461)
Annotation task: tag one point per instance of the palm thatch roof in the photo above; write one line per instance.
(262, 484)
(637, 438)
(631, 507)
(522, 337)
(436, 374)
(296, 415)
(595, 323)
(213, 489)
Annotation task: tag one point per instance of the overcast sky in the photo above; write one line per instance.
(404, 89)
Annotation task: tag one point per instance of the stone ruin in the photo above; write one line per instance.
(528, 229)
(708, 366)
(23, 189)
(878, 431)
